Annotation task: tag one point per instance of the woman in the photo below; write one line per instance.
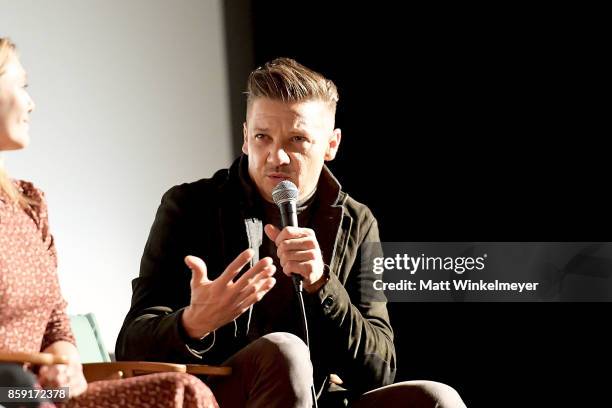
(32, 310)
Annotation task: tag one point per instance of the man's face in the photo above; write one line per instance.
(15, 107)
(288, 141)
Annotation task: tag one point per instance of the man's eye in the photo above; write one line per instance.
(298, 139)
(25, 86)
(260, 136)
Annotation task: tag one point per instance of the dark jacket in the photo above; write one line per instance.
(349, 326)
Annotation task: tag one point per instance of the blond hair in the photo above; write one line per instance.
(10, 190)
(289, 81)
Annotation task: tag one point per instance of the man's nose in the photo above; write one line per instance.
(278, 157)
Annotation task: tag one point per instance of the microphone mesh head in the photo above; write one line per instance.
(284, 191)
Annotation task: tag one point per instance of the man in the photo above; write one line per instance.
(250, 320)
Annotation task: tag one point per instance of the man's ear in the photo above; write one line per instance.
(332, 145)
(245, 144)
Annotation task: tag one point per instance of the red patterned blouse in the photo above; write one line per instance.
(32, 309)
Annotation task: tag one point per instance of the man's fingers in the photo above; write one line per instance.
(264, 266)
(236, 266)
(300, 268)
(308, 255)
(296, 244)
(255, 293)
(292, 233)
(198, 269)
(254, 283)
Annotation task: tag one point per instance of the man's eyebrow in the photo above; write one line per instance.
(261, 129)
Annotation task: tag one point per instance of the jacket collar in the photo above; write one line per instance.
(328, 207)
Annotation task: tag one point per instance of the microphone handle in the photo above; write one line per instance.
(288, 212)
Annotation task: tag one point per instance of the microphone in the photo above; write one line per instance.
(285, 196)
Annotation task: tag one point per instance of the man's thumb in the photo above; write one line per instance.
(272, 232)
(198, 268)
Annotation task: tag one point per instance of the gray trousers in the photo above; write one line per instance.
(275, 372)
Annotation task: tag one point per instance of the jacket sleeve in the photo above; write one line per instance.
(358, 335)
(152, 329)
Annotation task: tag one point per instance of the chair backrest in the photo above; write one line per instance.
(88, 339)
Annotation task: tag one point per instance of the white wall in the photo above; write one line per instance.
(131, 99)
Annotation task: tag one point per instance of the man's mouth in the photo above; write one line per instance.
(278, 176)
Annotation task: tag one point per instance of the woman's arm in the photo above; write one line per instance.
(64, 348)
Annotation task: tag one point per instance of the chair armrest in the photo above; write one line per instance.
(115, 370)
(32, 358)
(126, 369)
(202, 369)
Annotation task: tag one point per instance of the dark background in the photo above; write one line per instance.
(464, 124)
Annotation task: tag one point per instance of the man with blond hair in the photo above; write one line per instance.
(193, 302)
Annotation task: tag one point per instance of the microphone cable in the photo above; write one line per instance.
(299, 291)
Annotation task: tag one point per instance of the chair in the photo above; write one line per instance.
(96, 361)
(88, 338)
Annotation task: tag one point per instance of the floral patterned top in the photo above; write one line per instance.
(32, 309)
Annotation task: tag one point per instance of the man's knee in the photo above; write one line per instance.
(422, 394)
(285, 349)
(286, 357)
(444, 395)
(440, 395)
(273, 371)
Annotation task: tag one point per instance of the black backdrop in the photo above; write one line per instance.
(469, 125)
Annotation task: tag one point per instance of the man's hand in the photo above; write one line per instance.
(64, 375)
(299, 253)
(218, 302)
